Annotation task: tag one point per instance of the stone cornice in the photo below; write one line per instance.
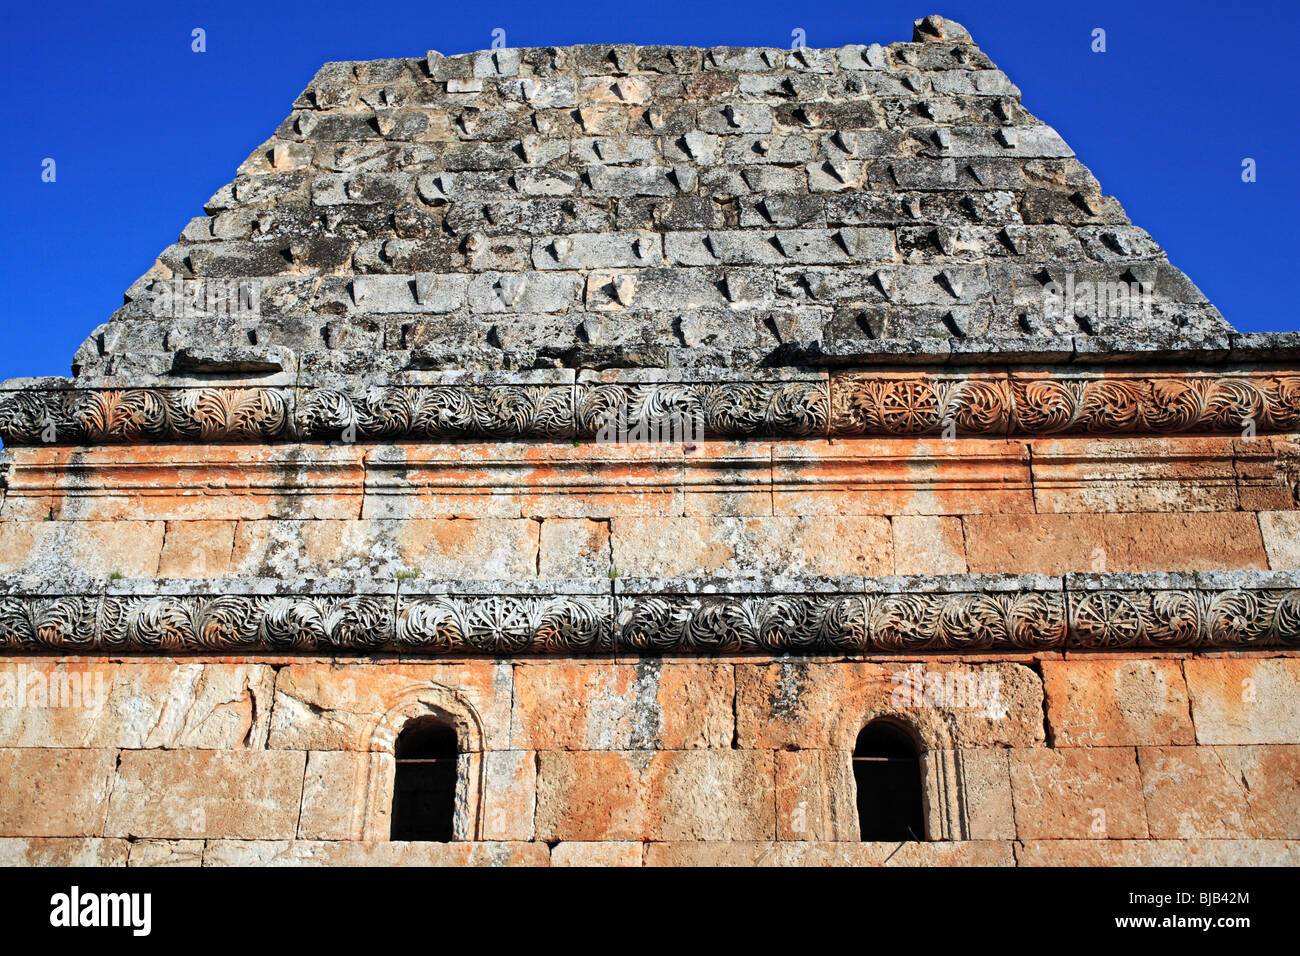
(782, 615)
(623, 405)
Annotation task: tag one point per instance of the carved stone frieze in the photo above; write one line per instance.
(433, 412)
(145, 415)
(713, 409)
(872, 404)
(1160, 404)
(846, 616)
(844, 403)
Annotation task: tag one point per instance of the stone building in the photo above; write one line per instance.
(647, 455)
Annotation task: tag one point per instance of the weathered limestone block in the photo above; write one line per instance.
(136, 704)
(454, 548)
(1244, 700)
(573, 548)
(1094, 475)
(320, 707)
(807, 705)
(1080, 793)
(597, 854)
(815, 796)
(985, 803)
(669, 547)
(166, 853)
(185, 483)
(1281, 530)
(53, 549)
(1222, 792)
(191, 794)
(664, 795)
(1158, 853)
(1061, 543)
(315, 853)
(926, 544)
(197, 549)
(1116, 703)
(62, 851)
(335, 795)
(55, 792)
(511, 480)
(1033, 544)
(649, 705)
(1262, 473)
(727, 478)
(510, 794)
(969, 853)
(1197, 541)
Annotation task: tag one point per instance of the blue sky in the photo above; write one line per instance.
(143, 130)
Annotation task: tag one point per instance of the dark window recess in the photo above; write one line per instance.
(424, 791)
(887, 771)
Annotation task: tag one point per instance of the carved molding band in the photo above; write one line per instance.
(1172, 612)
(867, 404)
(847, 403)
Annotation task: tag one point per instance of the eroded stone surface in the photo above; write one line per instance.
(1245, 700)
(812, 705)
(319, 707)
(597, 854)
(649, 705)
(1222, 792)
(190, 794)
(1083, 794)
(970, 853)
(55, 792)
(317, 853)
(62, 851)
(670, 547)
(137, 705)
(1116, 703)
(668, 795)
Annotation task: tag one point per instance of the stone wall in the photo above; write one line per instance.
(1137, 755)
(516, 511)
(1097, 759)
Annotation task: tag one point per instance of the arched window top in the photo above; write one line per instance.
(425, 737)
(887, 771)
(887, 738)
(424, 788)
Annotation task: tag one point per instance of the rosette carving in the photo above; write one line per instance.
(1231, 618)
(920, 405)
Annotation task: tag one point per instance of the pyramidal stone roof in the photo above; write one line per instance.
(659, 207)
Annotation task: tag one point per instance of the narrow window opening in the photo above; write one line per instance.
(424, 790)
(887, 771)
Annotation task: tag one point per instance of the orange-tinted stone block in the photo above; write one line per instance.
(649, 705)
(901, 476)
(1116, 703)
(1078, 793)
(53, 792)
(668, 795)
(1245, 700)
(1222, 792)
